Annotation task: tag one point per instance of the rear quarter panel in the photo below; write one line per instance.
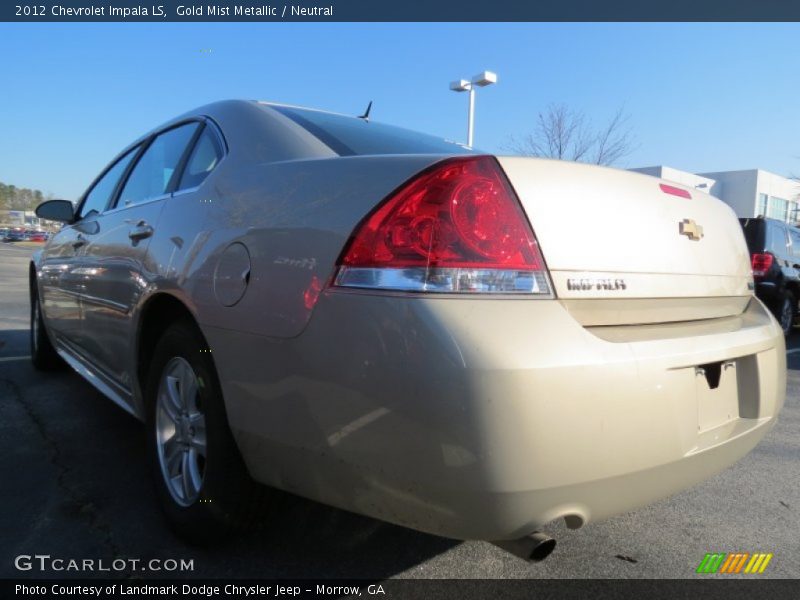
(293, 217)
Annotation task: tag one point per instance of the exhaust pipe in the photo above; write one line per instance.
(531, 548)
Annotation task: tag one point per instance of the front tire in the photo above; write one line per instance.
(201, 481)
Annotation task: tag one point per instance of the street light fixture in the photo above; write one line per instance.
(462, 85)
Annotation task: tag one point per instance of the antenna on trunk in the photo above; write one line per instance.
(365, 116)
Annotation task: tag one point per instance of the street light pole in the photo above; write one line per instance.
(471, 117)
(462, 85)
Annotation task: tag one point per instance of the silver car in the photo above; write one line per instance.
(402, 327)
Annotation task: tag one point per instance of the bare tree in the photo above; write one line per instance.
(567, 134)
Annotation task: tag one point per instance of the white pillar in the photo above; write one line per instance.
(471, 121)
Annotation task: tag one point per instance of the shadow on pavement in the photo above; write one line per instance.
(76, 485)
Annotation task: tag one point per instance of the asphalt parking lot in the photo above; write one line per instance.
(74, 484)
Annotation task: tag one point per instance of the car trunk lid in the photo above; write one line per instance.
(626, 248)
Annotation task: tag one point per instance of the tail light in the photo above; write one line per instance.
(762, 264)
(675, 191)
(456, 227)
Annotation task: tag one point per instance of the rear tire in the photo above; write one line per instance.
(43, 356)
(201, 481)
(786, 313)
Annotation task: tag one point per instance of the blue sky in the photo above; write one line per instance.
(701, 97)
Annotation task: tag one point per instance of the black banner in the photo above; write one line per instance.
(403, 589)
(400, 10)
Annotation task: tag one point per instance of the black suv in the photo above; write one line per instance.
(775, 255)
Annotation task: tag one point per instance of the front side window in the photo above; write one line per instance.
(97, 199)
(151, 176)
(206, 154)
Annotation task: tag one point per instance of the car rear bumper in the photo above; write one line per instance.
(485, 419)
(767, 291)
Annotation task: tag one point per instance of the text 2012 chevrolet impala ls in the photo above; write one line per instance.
(398, 326)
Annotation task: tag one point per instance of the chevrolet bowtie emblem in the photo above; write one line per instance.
(691, 230)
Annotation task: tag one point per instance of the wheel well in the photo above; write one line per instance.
(793, 288)
(160, 312)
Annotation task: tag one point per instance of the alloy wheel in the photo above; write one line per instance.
(180, 432)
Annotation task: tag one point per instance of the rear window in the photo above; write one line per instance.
(764, 235)
(348, 136)
(754, 234)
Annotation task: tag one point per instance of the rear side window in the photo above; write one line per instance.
(97, 199)
(349, 136)
(777, 241)
(151, 176)
(206, 154)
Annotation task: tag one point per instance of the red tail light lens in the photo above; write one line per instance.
(457, 227)
(762, 264)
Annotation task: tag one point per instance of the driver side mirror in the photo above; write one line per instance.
(56, 210)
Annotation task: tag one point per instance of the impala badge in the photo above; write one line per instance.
(691, 230)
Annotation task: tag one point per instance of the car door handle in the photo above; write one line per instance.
(141, 231)
(79, 241)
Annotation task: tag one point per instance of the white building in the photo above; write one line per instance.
(750, 193)
(18, 217)
(756, 192)
(677, 176)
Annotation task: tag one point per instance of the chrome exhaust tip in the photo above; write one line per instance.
(531, 548)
